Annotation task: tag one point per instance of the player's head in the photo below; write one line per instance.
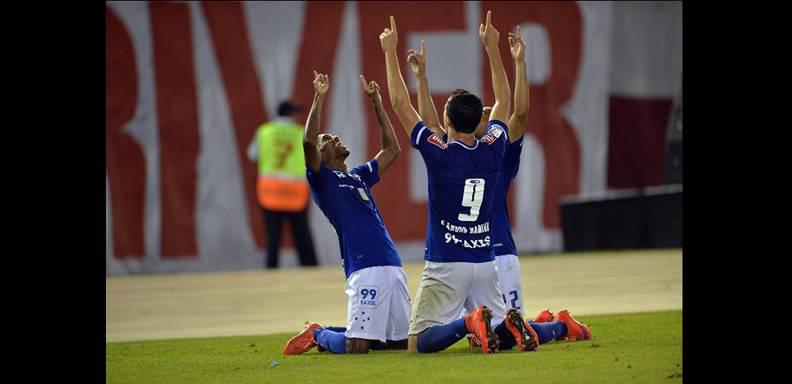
(462, 111)
(482, 127)
(289, 109)
(331, 148)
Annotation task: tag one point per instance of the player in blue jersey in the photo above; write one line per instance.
(508, 264)
(379, 304)
(460, 270)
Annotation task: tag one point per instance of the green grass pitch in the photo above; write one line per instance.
(627, 348)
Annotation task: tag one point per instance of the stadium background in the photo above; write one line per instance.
(188, 84)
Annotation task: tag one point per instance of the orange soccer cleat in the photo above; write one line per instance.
(303, 342)
(525, 336)
(575, 329)
(544, 317)
(478, 323)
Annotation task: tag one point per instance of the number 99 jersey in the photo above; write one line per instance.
(462, 182)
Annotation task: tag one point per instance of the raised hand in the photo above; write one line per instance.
(372, 90)
(517, 45)
(389, 37)
(417, 60)
(321, 83)
(488, 34)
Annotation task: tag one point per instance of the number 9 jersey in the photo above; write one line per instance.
(462, 182)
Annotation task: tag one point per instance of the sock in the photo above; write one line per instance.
(505, 339)
(440, 337)
(549, 331)
(332, 341)
(373, 344)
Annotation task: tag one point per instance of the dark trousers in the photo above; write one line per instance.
(274, 221)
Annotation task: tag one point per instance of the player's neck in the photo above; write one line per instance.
(338, 165)
(466, 138)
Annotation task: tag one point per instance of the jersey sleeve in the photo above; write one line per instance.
(497, 136)
(512, 155)
(425, 141)
(315, 179)
(368, 172)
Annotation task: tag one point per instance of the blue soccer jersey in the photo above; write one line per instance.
(502, 241)
(462, 183)
(346, 200)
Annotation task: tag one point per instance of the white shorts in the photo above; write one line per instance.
(448, 288)
(509, 281)
(508, 267)
(379, 304)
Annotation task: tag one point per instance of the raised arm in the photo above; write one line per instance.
(500, 84)
(426, 107)
(397, 90)
(312, 157)
(519, 118)
(389, 145)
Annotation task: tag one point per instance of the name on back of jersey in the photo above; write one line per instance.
(481, 228)
(482, 242)
(468, 243)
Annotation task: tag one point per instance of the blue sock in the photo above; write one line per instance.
(332, 341)
(505, 339)
(440, 337)
(374, 344)
(549, 331)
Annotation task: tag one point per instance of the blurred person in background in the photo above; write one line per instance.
(282, 189)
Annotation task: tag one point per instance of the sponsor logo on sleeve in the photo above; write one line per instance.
(433, 139)
(493, 134)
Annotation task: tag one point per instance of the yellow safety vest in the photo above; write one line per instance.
(281, 182)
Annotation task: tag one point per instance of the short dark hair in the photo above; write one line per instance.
(464, 109)
(287, 107)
